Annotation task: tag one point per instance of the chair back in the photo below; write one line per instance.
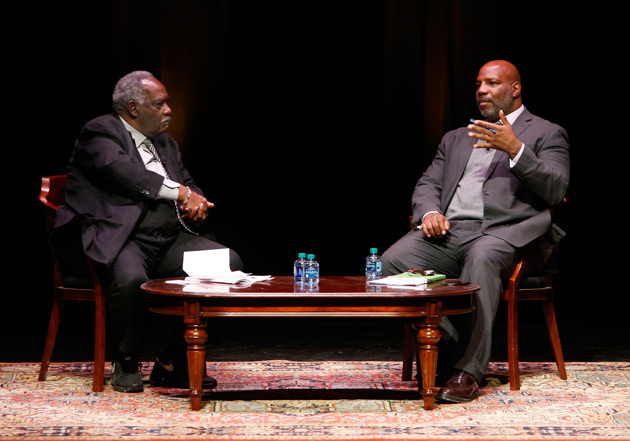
(549, 243)
(70, 266)
(52, 195)
(84, 286)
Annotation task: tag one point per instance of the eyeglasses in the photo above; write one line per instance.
(421, 272)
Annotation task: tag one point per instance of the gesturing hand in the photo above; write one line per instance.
(496, 136)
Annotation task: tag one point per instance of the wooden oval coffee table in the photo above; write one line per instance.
(340, 297)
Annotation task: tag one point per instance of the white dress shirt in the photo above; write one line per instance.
(169, 189)
(511, 118)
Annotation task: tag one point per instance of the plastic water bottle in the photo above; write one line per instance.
(311, 271)
(373, 265)
(298, 268)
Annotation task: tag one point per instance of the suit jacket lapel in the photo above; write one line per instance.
(523, 121)
(133, 148)
(167, 159)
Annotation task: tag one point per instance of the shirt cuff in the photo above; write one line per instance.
(169, 190)
(518, 155)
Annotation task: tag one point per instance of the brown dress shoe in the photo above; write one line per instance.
(461, 388)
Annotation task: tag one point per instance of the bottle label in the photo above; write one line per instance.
(311, 276)
(373, 269)
(298, 270)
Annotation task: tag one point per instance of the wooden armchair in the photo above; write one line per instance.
(80, 288)
(534, 288)
(519, 288)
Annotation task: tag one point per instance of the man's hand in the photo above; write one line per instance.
(435, 225)
(496, 136)
(194, 208)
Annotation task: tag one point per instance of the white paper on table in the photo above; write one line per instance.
(210, 263)
(234, 277)
(215, 288)
(400, 281)
(214, 266)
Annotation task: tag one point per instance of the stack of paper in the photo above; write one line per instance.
(214, 266)
(407, 279)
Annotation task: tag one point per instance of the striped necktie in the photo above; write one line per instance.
(147, 146)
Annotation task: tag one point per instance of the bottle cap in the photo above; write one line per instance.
(373, 250)
(301, 255)
(311, 256)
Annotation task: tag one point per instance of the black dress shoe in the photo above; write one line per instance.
(176, 376)
(126, 375)
(461, 388)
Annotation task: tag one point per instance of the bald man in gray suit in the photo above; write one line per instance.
(485, 197)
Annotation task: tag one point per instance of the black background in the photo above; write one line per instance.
(308, 123)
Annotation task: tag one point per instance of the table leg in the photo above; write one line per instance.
(196, 338)
(428, 337)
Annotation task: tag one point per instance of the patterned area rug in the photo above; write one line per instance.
(594, 403)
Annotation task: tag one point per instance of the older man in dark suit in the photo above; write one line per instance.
(138, 209)
(485, 197)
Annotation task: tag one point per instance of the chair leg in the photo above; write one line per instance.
(99, 345)
(554, 336)
(512, 340)
(51, 337)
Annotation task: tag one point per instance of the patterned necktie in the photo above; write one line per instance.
(148, 147)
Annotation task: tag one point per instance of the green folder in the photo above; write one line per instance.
(433, 278)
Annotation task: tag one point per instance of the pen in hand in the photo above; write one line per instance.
(492, 130)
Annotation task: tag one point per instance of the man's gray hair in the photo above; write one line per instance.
(130, 88)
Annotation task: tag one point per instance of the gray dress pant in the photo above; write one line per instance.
(464, 253)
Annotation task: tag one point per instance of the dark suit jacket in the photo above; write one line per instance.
(109, 186)
(516, 200)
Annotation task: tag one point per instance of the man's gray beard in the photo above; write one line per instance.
(504, 102)
(490, 116)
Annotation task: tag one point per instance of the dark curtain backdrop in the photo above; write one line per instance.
(308, 123)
